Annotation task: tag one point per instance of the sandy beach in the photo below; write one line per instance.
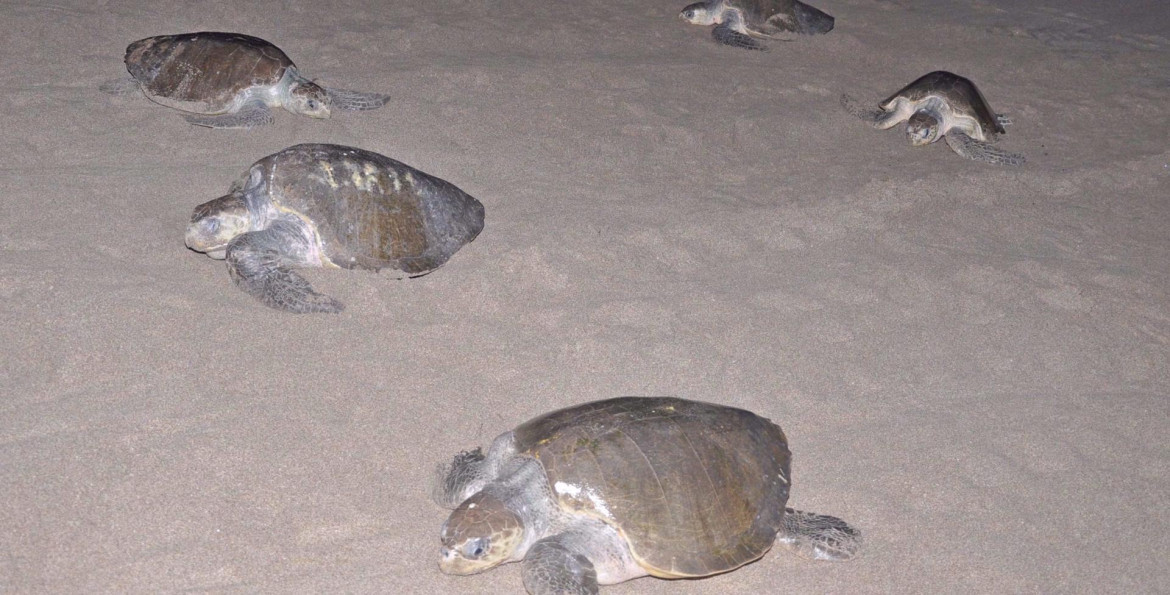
(971, 362)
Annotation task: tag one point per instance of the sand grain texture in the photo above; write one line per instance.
(971, 362)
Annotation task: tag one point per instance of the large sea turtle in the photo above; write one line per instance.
(228, 79)
(317, 205)
(938, 105)
(738, 21)
(612, 490)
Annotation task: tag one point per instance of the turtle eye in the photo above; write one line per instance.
(212, 225)
(312, 104)
(476, 548)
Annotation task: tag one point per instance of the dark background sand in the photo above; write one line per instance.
(971, 362)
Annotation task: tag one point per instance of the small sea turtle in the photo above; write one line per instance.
(317, 205)
(942, 105)
(229, 79)
(737, 21)
(617, 489)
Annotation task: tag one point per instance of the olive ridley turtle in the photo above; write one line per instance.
(737, 21)
(938, 105)
(229, 80)
(316, 205)
(613, 490)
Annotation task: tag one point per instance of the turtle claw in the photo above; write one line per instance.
(356, 101)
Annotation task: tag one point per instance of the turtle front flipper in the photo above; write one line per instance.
(455, 481)
(730, 32)
(260, 263)
(851, 105)
(553, 568)
(978, 150)
(818, 536)
(355, 101)
(250, 115)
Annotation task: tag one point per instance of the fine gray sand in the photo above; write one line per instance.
(971, 362)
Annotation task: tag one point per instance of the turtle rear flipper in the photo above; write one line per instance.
(851, 105)
(355, 101)
(260, 263)
(972, 148)
(811, 20)
(120, 87)
(818, 536)
(250, 115)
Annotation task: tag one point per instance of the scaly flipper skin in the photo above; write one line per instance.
(260, 262)
(729, 33)
(818, 536)
(553, 568)
(980, 151)
(851, 105)
(355, 101)
(252, 114)
(453, 479)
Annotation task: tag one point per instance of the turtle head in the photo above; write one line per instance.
(697, 14)
(480, 535)
(308, 99)
(215, 223)
(922, 129)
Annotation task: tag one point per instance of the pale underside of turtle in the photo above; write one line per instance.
(228, 80)
(943, 105)
(618, 489)
(737, 22)
(317, 205)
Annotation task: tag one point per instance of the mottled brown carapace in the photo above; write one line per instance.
(204, 68)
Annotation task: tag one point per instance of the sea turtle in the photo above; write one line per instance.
(229, 79)
(942, 105)
(317, 205)
(737, 21)
(612, 490)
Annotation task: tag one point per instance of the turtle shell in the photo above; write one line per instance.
(695, 488)
(962, 95)
(203, 72)
(368, 210)
(773, 17)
